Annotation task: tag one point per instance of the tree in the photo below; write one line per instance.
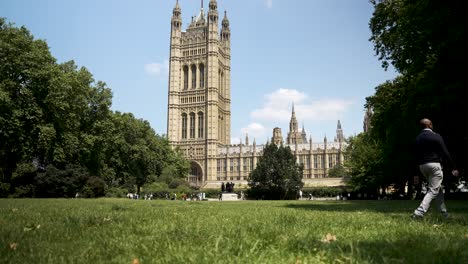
(337, 171)
(424, 41)
(57, 132)
(26, 71)
(277, 175)
(364, 161)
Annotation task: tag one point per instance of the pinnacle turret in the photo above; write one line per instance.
(225, 22)
(176, 16)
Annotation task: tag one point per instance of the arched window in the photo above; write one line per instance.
(220, 83)
(185, 77)
(194, 76)
(184, 126)
(192, 125)
(200, 124)
(202, 75)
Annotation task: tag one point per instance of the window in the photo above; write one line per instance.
(219, 166)
(184, 126)
(202, 76)
(231, 168)
(316, 164)
(200, 124)
(192, 125)
(194, 76)
(307, 163)
(246, 164)
(185, 77)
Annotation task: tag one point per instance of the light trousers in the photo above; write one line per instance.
(434, 176)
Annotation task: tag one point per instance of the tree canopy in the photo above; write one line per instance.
(277, 175)
(425, 42)
(58, 133)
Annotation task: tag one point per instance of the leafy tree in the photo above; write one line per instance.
(26, 71)
(61, 183)
(424, 41)
(57, 129)
(337, 171)
(277, 175)
(364, 161)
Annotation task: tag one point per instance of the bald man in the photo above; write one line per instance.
(430, 151)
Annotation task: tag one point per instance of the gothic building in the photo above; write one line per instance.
(199, 108)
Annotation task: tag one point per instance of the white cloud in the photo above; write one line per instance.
(254, 130)
(235, 140)
(277, 107)
(269, 3)
(157, 69)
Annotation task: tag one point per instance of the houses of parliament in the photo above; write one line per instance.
(199, 110)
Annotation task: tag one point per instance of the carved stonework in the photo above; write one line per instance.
(210, 54)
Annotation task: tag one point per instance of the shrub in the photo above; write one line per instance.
(175, 183)
(116, 192)
(61, 183)
(95, 187)
(4, 189)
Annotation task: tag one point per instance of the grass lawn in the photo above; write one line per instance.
(129, 231)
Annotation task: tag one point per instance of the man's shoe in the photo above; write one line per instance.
(417, 217)
(445, 215)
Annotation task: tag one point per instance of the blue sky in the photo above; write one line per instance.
(314, 53)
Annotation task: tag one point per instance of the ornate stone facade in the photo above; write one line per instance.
(199, 108)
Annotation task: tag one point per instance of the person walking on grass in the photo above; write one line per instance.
(430, 151)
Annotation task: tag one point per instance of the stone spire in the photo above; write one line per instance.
(304, 135)
(339, 132)
(293, 126)
(294, 135)
(176, 16)
(367, 119)
(246, 139)
(225, 31)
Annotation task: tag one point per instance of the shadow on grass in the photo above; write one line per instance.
(402, 208)
(362, 205)
(421, 248)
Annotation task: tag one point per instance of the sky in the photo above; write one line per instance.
(315, 54)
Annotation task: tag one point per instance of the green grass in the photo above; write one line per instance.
(121, 231)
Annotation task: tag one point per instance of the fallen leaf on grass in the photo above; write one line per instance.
(14, 209)
(435, 226)
(13, 245)
(298, 260)
(31, 227)
(328, 238)
(135, 261)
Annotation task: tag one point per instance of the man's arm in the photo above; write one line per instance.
(447, 157)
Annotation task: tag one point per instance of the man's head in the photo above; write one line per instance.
(425, 123)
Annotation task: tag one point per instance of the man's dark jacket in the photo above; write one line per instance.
(430, 148)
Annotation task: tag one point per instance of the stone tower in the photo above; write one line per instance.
(367, 119)
(199, 94)
(277, 138)
(294, 136)
(339, 132)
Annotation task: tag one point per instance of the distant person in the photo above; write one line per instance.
(300, 194)
(223, 187)
(430, 150)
